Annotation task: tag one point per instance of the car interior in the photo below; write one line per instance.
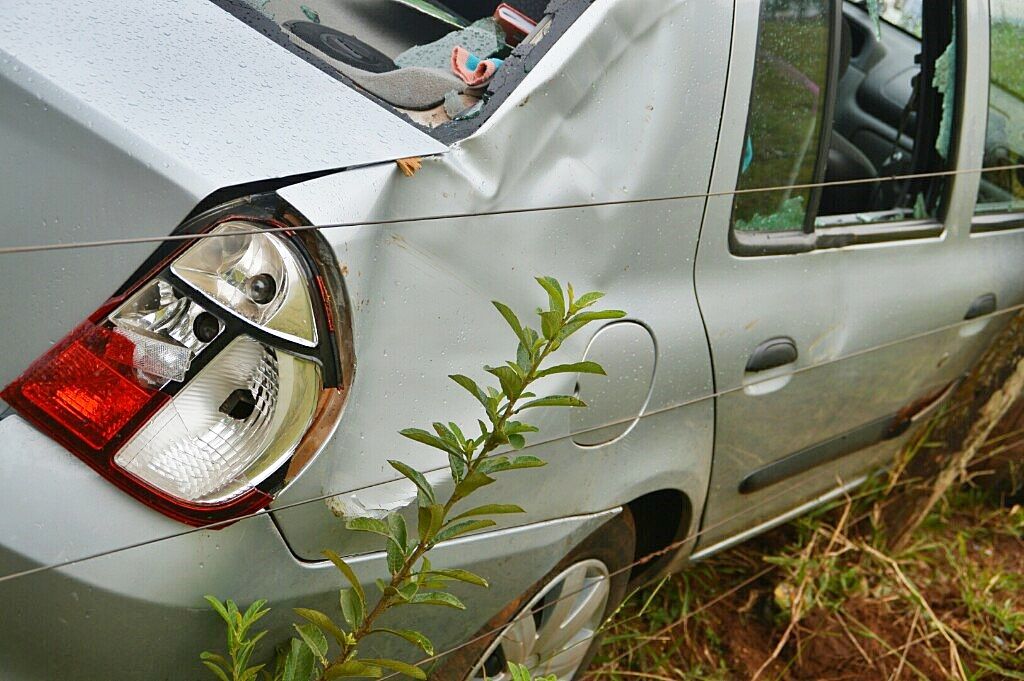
(850, 93)
(888, 114)
(400, 52)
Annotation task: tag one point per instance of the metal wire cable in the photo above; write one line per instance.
(635, 563)
(684, 403)
(626, 568)
(35, 248)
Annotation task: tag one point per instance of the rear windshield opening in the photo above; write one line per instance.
(443, 65)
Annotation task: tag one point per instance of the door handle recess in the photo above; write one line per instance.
(982, 305)
(772, 353)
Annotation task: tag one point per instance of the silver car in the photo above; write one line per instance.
(786, 197)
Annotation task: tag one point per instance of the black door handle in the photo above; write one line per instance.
(982, 305)
(772, 353)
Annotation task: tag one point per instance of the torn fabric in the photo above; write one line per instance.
(473, 70)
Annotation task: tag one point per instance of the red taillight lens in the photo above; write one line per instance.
(87, 387)
(200, 393)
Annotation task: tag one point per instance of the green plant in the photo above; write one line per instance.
(326, 649)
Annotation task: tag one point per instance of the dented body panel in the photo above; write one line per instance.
(421, 291)
(593, 164)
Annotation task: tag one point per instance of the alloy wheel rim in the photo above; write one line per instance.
(552, 633)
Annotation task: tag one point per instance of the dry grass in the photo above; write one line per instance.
(824, 598)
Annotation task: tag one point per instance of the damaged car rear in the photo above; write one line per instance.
(246, 241)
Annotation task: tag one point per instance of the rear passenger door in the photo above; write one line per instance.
(833, 316)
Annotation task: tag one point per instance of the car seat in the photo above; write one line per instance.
(845, 160)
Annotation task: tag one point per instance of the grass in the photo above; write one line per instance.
(1008, 56)
(822, 598)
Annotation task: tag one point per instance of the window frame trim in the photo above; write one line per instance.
(989, 223)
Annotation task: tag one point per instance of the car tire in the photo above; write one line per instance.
(588, 584)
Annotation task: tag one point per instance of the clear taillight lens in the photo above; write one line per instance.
(212, 382)
(255, 276)
(230, 428)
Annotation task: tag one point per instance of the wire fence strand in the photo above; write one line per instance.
(525, 210)
(652, 412)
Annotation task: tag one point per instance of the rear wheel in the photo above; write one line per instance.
(554, 628)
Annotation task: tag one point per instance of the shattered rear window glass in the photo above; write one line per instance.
(431, 60)
(780, 147)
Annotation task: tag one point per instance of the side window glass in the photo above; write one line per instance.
(1002, 191)
(894, 113)
(844, 98)
(784, 123)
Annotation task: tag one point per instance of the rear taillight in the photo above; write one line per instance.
(211, 382)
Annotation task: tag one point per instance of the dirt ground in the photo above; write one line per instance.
(824, 599)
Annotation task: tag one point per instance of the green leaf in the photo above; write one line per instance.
(511, 383)
(422, 436)
(585, 301)
(350, 575)
(550, 323)
(413, 637)
(353, 668)
(219, 607)
(315, 639)
(527, 461)
(470, 385)
(437, 598)
(511, 318)
(298, 664)
(214, 657)
(454, 427)
(429, 521)
(554, 401)
(579, 321)
(518, 672)
(517, 427)
(462, 576)
(489, 509)
(351, 608)
(470, 484)
(323, 621)
(396, 523)
(400, 667)
(446, 435)
(575, 368)
(458, 468)
(368, 525)
(462, 527)
(408, 591)
(254, 612)
(500, 464)
(416, 476)
(517, 441)
(587, 317)
(492, 464)
(523, 357)
(395, 557)
(218, 672)
(556, 299)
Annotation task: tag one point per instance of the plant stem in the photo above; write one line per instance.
(492, 442)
